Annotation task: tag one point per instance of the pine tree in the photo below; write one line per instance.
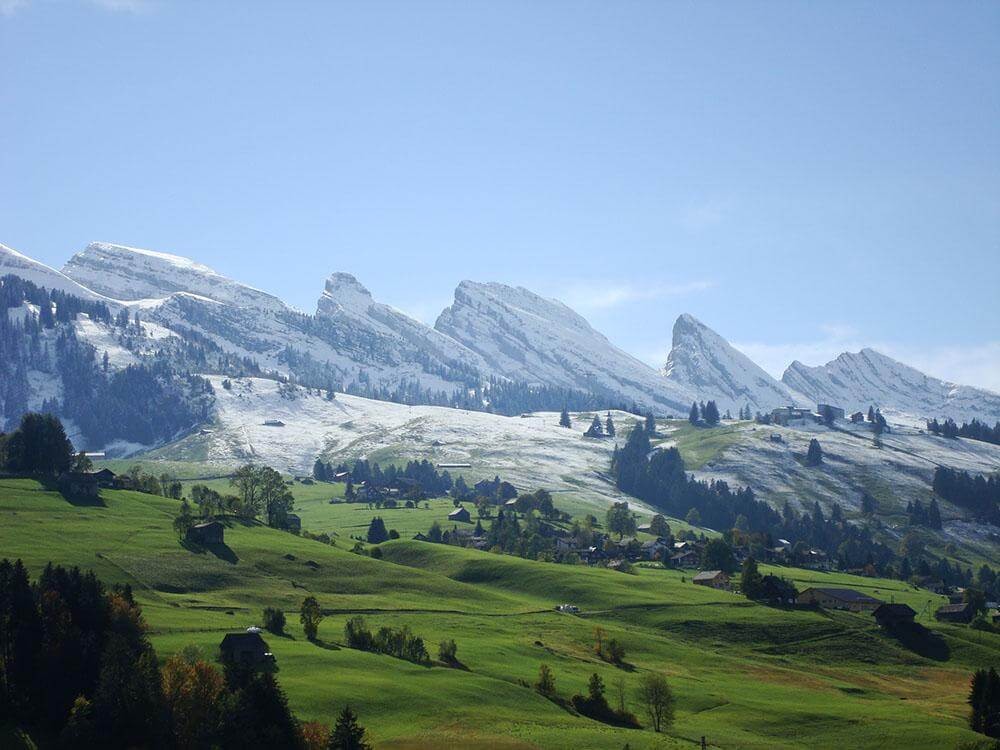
(377, 533)
(694, 416)
(650, 423)
(595, 429)
(609, 426)
(871, 413)
(564, 420)
(348, 734)
(814, 456)
(710, 413)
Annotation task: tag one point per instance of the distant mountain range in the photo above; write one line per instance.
(490, 331)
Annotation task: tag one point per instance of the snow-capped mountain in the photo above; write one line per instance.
(346, 300)
(352, 342)
(704, 363)
(130, 273)
(528, 338)
(857, 380)
(14, 263)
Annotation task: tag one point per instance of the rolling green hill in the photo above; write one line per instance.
(744, 675)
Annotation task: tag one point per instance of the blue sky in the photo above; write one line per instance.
(803, 177)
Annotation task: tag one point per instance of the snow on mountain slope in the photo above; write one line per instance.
(857, 380)
(705, 364)
(897, 473)
(14, 263)
(345, 298)
(523, 336)
(530, 452)
(352, 339)
(130, 273)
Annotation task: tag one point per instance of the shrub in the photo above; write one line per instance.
(447, 651)
(274, 620)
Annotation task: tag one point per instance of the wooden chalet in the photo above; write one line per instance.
(244, 648)
(210, 532)
(954, 613)
(715, 579)
(891, 616)
(848, 599)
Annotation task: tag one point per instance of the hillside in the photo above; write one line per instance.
(819, 679)
(530, 451)
(895, 474)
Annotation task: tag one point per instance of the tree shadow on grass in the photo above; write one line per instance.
(81, 501)
(328, 645)
(221, 551)
(918, 639)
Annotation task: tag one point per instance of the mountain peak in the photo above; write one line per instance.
(131, 273)
(707, 365)
(19, 264)
(526, 337)
(343, 293)
(856, 380)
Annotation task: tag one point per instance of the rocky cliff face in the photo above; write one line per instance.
(705, 364)
(525, 337)
(858, 380)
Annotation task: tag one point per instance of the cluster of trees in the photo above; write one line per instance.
(661, 480)
(378, 533)
(594, 705)
(263, 492)
(38, 446)
(770, 588)
(814, 453)
(417, 480)
(974, 430)
(75, 661)
(928, 515)
(706, 414)
(978, 494)
(398, 642)
(143, 403)
(609, 649)
(597, 429)
(984, 701)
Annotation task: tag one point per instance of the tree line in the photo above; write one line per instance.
(974, 430)
(976, 493)
(76, 664)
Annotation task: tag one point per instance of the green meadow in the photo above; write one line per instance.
(744, 675)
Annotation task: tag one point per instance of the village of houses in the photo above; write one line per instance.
(684, 554)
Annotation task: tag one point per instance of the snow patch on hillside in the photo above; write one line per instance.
(531, 452)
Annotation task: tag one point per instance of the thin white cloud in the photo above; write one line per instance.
(123, 6)
(10, 7)
(583, 296)
(974, 364)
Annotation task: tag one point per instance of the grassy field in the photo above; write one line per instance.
(699, 445)
(744, 675)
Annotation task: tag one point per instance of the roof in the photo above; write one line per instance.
(243, 640)
(459, 510)
(707, 575)
(953, 608)
(206, 525)
(895, 610)
(845, 595)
